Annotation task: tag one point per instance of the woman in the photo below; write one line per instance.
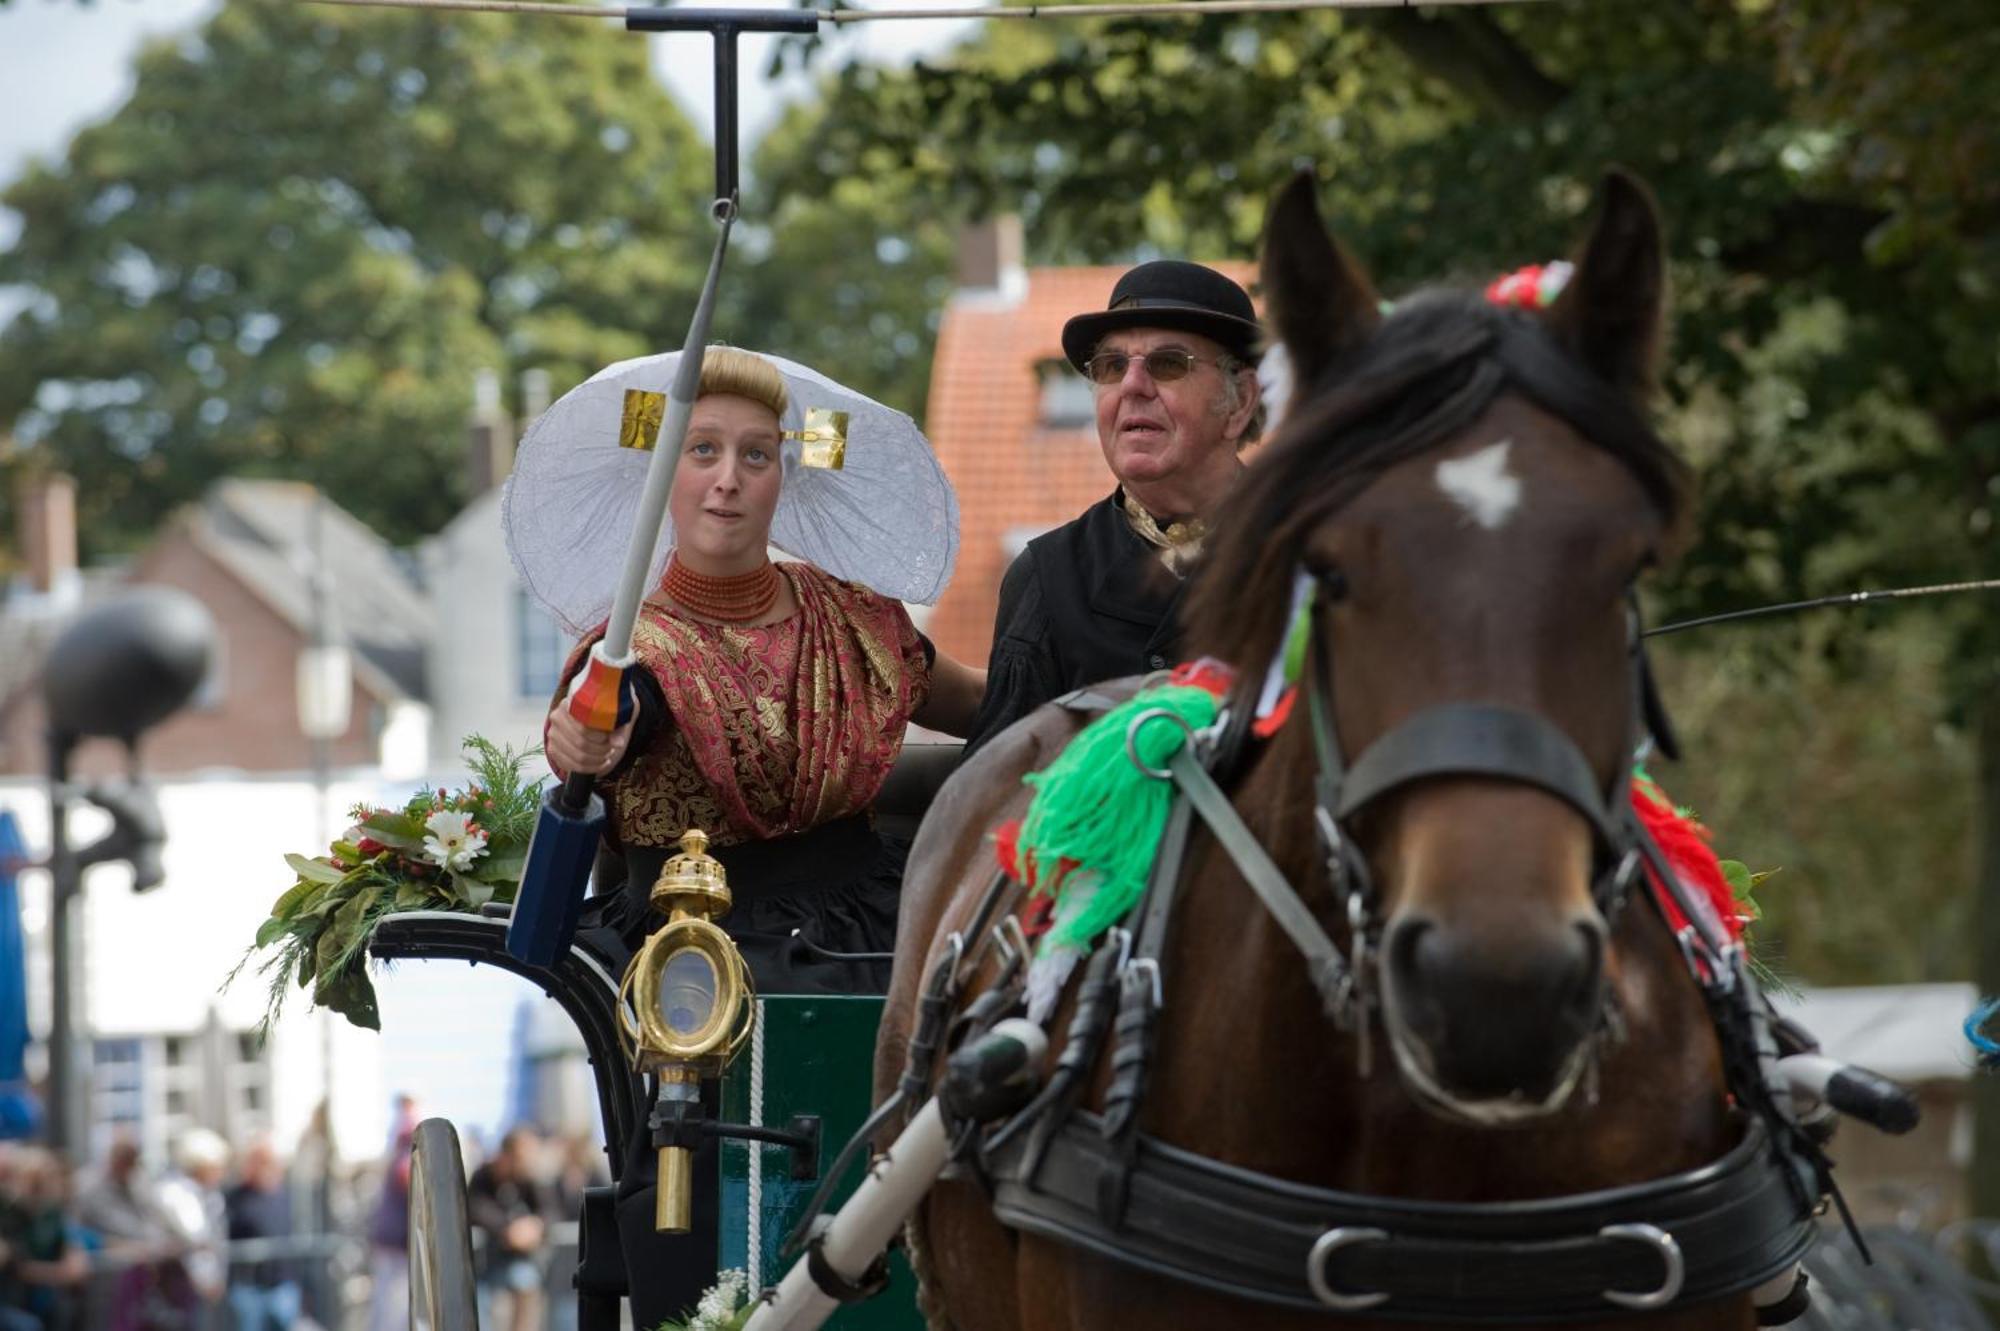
(772, 701)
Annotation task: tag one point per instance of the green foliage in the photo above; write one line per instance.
(294, 247)
(442, 850)
(1839, 770)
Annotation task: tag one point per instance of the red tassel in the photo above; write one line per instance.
(1007, 853)
(1206, 673)
(1272, 724)
(1684, 842)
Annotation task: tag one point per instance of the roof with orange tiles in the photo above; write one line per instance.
(1016, 475)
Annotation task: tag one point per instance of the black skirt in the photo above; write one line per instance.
(803, 906)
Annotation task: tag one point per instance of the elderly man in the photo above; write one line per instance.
(1177, 398)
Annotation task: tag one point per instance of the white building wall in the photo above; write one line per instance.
(155, 962)
(475, 671)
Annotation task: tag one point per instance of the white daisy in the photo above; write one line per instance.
(454, 841)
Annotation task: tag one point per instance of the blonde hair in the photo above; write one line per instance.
(743, 374)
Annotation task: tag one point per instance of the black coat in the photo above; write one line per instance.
(1086, 602)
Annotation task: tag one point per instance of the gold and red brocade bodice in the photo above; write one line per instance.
(775, 729)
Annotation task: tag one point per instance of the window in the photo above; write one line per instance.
(152, 1088)
(1068, 402)
(539, 649)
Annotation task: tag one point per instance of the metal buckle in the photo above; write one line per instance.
(1322, 1252)
(1137, 723)
(1357, 979)
(1621, 885)
(1670, 1257)
(1008, 940)
(1149, 968)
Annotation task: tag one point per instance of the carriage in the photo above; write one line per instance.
(798, 1090)
(1682, 1187)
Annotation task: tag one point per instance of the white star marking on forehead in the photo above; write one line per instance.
(1480, 484)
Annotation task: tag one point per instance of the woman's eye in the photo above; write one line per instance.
(701, 448)
(756, 456)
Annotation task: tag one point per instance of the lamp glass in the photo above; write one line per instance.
(687, 993)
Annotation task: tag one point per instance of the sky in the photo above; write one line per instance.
(67, 63)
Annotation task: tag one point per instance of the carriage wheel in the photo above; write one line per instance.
(442, 1297)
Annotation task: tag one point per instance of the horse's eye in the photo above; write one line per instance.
(1332, 584)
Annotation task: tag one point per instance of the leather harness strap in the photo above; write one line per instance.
(1477, 739)
(1323, 959)
(1697, 1236)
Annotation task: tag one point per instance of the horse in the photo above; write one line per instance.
(1472, 493)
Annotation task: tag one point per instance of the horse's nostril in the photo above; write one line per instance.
(1590, 958)
(1402, 948)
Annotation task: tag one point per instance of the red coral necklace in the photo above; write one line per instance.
(735, 598)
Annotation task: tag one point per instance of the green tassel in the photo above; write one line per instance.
(1094, 808)
(1299, 636)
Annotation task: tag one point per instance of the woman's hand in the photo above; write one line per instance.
(571, 746)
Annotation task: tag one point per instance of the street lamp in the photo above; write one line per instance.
(115, 673)
(325, 696)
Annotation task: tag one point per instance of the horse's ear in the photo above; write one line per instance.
(1320, 302)
(1610, 312)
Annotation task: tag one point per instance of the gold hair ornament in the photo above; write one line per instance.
(823, 441)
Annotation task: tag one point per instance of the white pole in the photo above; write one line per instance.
(862, 1230)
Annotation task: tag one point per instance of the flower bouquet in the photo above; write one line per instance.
(443, 850)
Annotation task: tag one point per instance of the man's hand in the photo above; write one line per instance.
(574, 747)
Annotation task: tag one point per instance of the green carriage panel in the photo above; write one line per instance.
(807, 1055)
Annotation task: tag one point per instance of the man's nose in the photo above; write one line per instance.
(1137, 378)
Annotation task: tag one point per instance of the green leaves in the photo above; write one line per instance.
(313, 871)
(321, 925)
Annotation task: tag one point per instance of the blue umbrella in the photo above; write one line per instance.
(20, 1112)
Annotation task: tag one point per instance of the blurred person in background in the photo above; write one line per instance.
(121, 1205)
(50, 1263)
(389, 1227)
(508, 1202)
(264, 1294)
(191, 1200)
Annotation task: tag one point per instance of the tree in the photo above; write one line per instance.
(1828, 170)
(290, 253)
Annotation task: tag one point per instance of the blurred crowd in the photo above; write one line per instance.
(241, 1238)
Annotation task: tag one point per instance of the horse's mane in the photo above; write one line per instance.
(1428, 372)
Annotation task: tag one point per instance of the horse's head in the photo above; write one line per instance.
(1474, 491)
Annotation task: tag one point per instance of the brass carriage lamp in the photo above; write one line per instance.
(688, 1009)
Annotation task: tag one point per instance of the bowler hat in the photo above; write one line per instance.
(1170, 293)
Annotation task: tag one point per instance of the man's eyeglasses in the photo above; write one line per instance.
(1163, 366)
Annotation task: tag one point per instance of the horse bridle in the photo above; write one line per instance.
(1496, 742)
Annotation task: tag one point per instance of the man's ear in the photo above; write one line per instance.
(1321, 303)
(1610, 313)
